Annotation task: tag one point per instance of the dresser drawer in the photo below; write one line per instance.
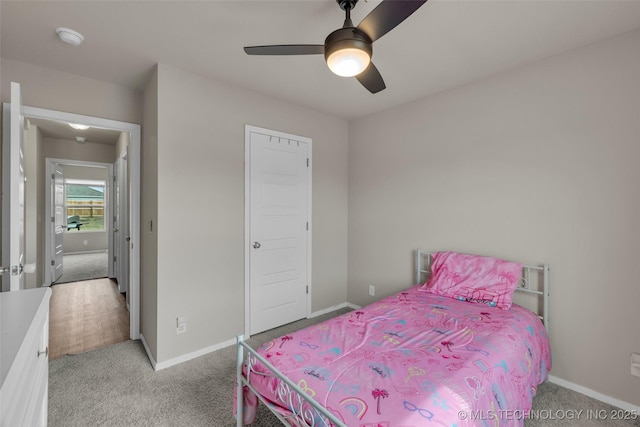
(23, 397)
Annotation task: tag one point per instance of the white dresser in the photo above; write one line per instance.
(24, 361)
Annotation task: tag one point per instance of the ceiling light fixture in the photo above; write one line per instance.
(81, 139)
(348, 50)
(348, 62)
(78, 127)
(69, 36)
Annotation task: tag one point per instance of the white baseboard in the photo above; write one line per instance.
(334, 308)
(596, 395)
(327, 310)
(148, 351)
(95, 251)
(185, 357)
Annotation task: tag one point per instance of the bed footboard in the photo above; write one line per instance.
(304, 410)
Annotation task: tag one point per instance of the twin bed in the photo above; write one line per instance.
(451, 351)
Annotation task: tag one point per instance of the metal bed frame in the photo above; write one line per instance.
(527, 285)
(307, 412)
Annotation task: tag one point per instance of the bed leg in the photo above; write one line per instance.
(239, 384)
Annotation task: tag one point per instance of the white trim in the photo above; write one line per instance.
(328, 310)
(49, 163)
(134, 207)
(87, 182)
(186, 357)
(210, 349)
(247, 216)
(247, 229)
(594, 394)
(148, 351)
(99, 251)
(353, 306)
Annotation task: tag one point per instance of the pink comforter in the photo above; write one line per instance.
(416, 359)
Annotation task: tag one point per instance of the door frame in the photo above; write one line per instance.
(108, 212)
(134, 195)
(50, 228)
(120, 200)
(248, 129)
(13, 119)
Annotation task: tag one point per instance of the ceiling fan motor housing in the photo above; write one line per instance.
(346, 4)
(344, 38)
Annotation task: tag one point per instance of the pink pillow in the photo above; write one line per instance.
(473, 278)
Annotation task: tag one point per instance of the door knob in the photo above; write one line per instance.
(256, 245)
(127, 238)
(116, 230)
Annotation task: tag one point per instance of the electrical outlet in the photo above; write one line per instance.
(181, 323)
(635, 364)
(372, 290)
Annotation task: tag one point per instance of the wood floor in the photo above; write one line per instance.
(86, 315)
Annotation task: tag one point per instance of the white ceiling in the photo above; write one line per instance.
(62, 130)
(444, 44)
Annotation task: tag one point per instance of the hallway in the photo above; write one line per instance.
(86, 315)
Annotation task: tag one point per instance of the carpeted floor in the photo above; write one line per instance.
(77, 267)
(116, 386)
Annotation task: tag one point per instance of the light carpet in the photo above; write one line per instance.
(78, 267)
(116, 386)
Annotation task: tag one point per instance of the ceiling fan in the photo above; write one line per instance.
(348, 50)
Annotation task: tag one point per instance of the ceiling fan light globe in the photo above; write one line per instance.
(348, 62)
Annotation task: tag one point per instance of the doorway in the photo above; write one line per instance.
(132, 132)
(79, 203)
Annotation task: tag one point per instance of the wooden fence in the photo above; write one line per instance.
(88, 208)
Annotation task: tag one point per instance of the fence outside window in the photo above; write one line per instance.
(85, 206)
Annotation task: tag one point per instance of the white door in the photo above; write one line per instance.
(13, 192)
(121, 237)
(279, 252)
(59, 220)
(115, 230)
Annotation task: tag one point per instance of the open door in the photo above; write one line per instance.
(58, 219)
(13, 192)
(121, 223)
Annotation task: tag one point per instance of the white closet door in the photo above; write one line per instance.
(279, 215)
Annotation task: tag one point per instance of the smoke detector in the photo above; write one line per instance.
(69, 36)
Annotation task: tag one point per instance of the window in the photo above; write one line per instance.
(85, 203)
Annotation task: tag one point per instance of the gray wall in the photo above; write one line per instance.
(539, 164)
(74, 241)
(535, 165)
(57, 90)
(201, 157)
(45, 88)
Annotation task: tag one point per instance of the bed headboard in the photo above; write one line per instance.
(534, 282)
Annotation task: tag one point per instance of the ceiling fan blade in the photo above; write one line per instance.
(286, 49)
(387, 15)
(371, 79)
